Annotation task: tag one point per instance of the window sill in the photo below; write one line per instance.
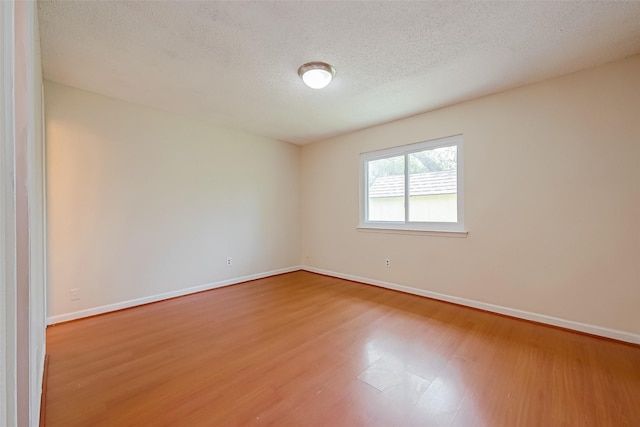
(415, 232)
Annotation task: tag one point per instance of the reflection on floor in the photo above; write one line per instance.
(302, 349)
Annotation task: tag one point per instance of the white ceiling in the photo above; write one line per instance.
(235, 63)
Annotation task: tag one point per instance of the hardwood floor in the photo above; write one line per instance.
(302, 349)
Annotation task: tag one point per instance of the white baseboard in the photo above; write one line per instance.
(512, 312)
(167, 295)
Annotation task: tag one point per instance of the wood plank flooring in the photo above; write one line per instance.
(302, 349)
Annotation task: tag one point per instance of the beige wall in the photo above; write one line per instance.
(143, 202)
(536, 161)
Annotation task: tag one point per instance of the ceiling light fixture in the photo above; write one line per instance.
(316, 75)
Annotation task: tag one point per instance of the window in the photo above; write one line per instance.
(414, 187)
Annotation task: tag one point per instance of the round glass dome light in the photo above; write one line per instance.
(316, 75)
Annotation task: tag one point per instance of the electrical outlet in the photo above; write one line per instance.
(387, 262)
(74, 294)
(228, 260)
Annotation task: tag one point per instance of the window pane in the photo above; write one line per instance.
(386, 189)
(433, 185)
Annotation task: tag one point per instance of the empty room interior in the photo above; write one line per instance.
(320, 213)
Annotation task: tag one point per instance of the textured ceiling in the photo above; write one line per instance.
(235, 63)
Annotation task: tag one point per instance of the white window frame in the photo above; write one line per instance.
(406, 225)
